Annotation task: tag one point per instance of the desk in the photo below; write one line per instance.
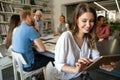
(50, 47)
(50, 50)
(49, 39)
(49, 42)
(5, 62)
(105, 47)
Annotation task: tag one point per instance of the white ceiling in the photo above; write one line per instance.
(108, 4)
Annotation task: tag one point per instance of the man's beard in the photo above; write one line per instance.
(32, 23)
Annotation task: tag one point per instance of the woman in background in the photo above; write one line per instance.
(14, 23)
(63, 26)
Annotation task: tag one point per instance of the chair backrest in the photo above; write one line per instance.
(18, 57)
(1, 41)
(18, 60)
(49, 72)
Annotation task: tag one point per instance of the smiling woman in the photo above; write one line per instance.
(78, 47)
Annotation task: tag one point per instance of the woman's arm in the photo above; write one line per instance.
(79, 66)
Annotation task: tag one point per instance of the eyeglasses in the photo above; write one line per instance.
(38, 15)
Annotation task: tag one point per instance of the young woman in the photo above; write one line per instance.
(63, 26)
(14, 22)
(76, 49)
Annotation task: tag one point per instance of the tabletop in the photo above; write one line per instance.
(49, 42)
(5, 62)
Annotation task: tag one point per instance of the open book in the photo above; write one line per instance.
(103, 60)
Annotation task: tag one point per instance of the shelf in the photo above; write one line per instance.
(8, 8)
(4, 23)
(8, 13)
(18, 4)
(3, 35)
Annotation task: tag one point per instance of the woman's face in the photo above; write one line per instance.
(62, 19)
(85, 22)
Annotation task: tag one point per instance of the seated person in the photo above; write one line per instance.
(39, 22)
(76, 49)
(14, 23)
(63, 26)
(102, 30)
(24, 38)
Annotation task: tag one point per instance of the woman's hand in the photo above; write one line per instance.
(109, 67)
(37, 28)
(82, 64)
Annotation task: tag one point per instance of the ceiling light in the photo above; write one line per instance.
(117, 5)
(101, 6)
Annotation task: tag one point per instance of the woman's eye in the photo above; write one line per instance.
(83, 20)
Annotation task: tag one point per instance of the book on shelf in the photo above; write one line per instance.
(2, 8)
(7, 7)
(17, 10)
(4, 18)
(1, 18)
(11, 8)
(3, 29)
(25, 1)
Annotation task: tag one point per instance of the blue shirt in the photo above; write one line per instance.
(22, 42)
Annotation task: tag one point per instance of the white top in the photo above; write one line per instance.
(9, 51)
(68, 52)
(63, 27)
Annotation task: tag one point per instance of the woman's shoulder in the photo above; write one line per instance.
(67, 34)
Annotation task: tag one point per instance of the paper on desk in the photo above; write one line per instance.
(50, 47)
(1, 54)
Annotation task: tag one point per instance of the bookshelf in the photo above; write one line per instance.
(10, 7)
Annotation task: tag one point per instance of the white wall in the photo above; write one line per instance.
(59, 8)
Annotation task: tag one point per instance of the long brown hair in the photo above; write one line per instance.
(91, 36)
(14, 21)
